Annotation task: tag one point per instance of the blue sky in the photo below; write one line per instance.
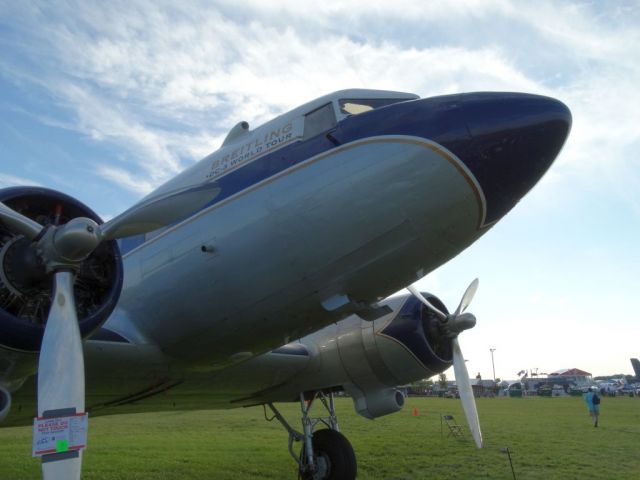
(107, 100)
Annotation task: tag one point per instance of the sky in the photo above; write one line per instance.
(107, 100)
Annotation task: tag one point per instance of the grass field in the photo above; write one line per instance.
(547, 437)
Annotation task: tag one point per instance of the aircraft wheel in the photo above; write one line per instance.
(334, 457)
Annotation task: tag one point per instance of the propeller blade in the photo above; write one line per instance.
(19, 223)
(418, 295)
(467, 297)
(61, 369)
(158, 212)
(466, 393)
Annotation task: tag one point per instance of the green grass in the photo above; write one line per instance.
(547, 437)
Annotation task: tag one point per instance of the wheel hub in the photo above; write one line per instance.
(323, 467)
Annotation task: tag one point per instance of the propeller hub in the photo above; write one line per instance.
(67, 246)
(76, 239)
(459, 323)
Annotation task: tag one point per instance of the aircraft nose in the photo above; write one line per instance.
(514, 140)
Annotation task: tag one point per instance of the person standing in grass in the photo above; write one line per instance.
(593, 404)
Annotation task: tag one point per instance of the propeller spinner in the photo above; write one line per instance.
(452, 325)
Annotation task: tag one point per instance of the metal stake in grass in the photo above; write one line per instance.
(506, 450)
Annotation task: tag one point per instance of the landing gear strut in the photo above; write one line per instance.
(325, 454)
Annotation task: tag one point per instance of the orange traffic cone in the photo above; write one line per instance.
(415, 412)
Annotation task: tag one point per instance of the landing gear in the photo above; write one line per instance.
(332, 455)
(325, 454)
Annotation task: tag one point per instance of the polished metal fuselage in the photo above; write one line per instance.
(362, 219)
(356, 213)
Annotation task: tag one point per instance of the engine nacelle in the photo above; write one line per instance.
(25, 287)
(416, 331)
(370, 359)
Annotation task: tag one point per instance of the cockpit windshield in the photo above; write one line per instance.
(354, 106)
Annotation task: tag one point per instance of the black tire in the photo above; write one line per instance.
(334, 456)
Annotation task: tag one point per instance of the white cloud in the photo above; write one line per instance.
(165, 81)
(125, 179)
(7, 180)
(131, 78)
(158, 84)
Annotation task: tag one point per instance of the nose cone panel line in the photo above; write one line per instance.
(506, 141)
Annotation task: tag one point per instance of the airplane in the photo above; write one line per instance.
(259, 274)
(635, 363)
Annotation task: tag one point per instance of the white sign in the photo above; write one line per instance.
(59, 434)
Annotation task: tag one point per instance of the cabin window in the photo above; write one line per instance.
(318, 121)
(354, 106)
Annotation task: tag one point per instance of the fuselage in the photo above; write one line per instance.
(321, 213)
(321, 204)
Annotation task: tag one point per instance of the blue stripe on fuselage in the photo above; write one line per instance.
(382, 121)
(506, 154)
(253, 173)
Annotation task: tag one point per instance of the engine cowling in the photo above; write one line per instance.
(369, 359)
(397, 349)
(419, 331)
(25, 287)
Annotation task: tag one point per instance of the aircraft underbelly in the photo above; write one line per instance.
(363, 220)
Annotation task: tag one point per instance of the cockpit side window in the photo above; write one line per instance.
(319, 120)
(354, 106)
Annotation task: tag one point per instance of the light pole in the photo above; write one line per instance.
(493, 366)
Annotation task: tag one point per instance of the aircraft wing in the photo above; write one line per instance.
(368, 360)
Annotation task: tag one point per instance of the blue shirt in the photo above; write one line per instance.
(589, 399)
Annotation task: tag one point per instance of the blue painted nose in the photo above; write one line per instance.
(514, 140)
(507, 140)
